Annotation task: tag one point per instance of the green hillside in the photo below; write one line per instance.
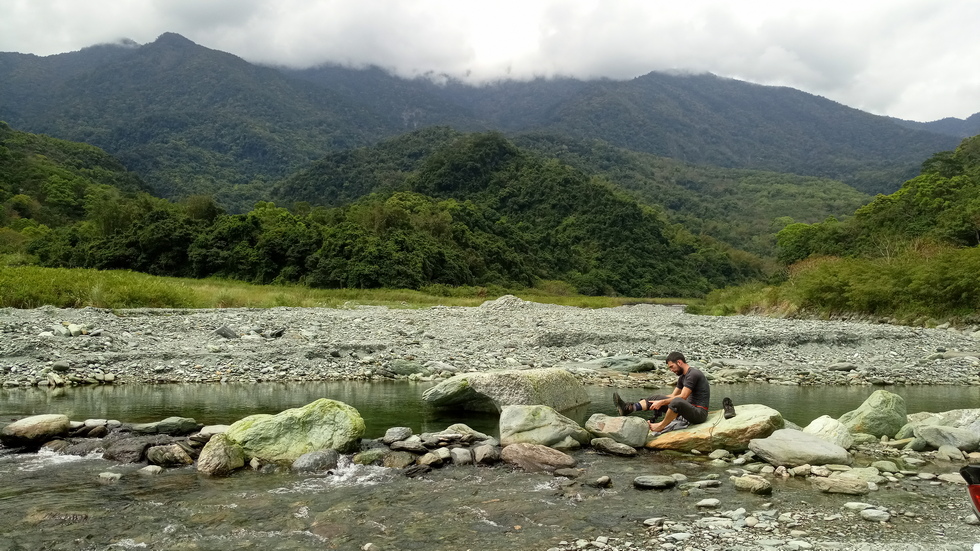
(741, 208)
(46, 182)
(913, 255)
(465, 209)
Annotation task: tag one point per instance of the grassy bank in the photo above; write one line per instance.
(31, 287)
(917, 288)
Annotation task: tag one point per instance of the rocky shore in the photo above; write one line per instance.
(49, 346)
(719, 499)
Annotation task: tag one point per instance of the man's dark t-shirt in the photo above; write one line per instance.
(696, 381)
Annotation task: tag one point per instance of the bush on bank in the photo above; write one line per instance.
(937, 284)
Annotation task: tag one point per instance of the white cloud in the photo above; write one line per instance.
(906, 58)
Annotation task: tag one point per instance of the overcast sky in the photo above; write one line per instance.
(914, 59)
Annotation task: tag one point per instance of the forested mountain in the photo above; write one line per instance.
(193, 120)
(186, 118)
(960, 128)
(742, 208)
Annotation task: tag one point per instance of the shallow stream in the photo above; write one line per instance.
(58, 502)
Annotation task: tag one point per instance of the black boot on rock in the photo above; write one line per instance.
(621, 406)
(729, 408)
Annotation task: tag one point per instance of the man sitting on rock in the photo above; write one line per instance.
(686, 405)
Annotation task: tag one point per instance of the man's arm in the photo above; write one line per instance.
(682, 392)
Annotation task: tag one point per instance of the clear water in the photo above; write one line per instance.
(388, 404)
(58, 502)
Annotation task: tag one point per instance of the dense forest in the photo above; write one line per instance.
(910, 255)
(186, 161)
(473, 210)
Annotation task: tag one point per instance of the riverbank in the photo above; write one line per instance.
(96, 346)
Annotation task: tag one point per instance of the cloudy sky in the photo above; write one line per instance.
(914, 59)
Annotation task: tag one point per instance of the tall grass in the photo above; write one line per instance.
(919, 287)
(32, 286)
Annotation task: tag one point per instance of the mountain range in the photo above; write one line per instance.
(192, 120)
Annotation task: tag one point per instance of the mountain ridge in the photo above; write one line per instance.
(193, 120)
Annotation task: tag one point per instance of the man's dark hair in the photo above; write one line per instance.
(676, 356)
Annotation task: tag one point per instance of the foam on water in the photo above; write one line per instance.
(45, 458)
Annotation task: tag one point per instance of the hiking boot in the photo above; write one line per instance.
(621, 406)
(729, 408)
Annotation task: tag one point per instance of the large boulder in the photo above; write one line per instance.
(491, 391)
(536, 458)
(540, 425)
(882, 414)
(792, 448)
(34, 431)
(831, 430)
(625, 364)
(284, 437)
(938, 436)
(752, 421)
(967, 419)
(220, 456)
(632, 431)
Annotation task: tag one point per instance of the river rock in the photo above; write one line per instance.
(654, 482)
(133, 450)
(875, 515)
(540, 425)
(536, 458)
(492, 391)
(624, 364)
(323, 424)
(752, 483)
(632, 431)
(396, 434)
(171, 455)
(838, 485)
(752, 421)
(34, 430)
(176, 426)
(485, 454)
(949, 453)
(831, 430)
(885, 466)
(864, 474)
(220, 456)
(792, 448)
(461, 456)
(411, 444)
(957, 418)
(936, 436)
(882, 414)
(612, 447)
(398, 460)
(316, 462)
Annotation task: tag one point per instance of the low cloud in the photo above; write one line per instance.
(906, 58)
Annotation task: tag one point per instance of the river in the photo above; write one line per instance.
(58, 502)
